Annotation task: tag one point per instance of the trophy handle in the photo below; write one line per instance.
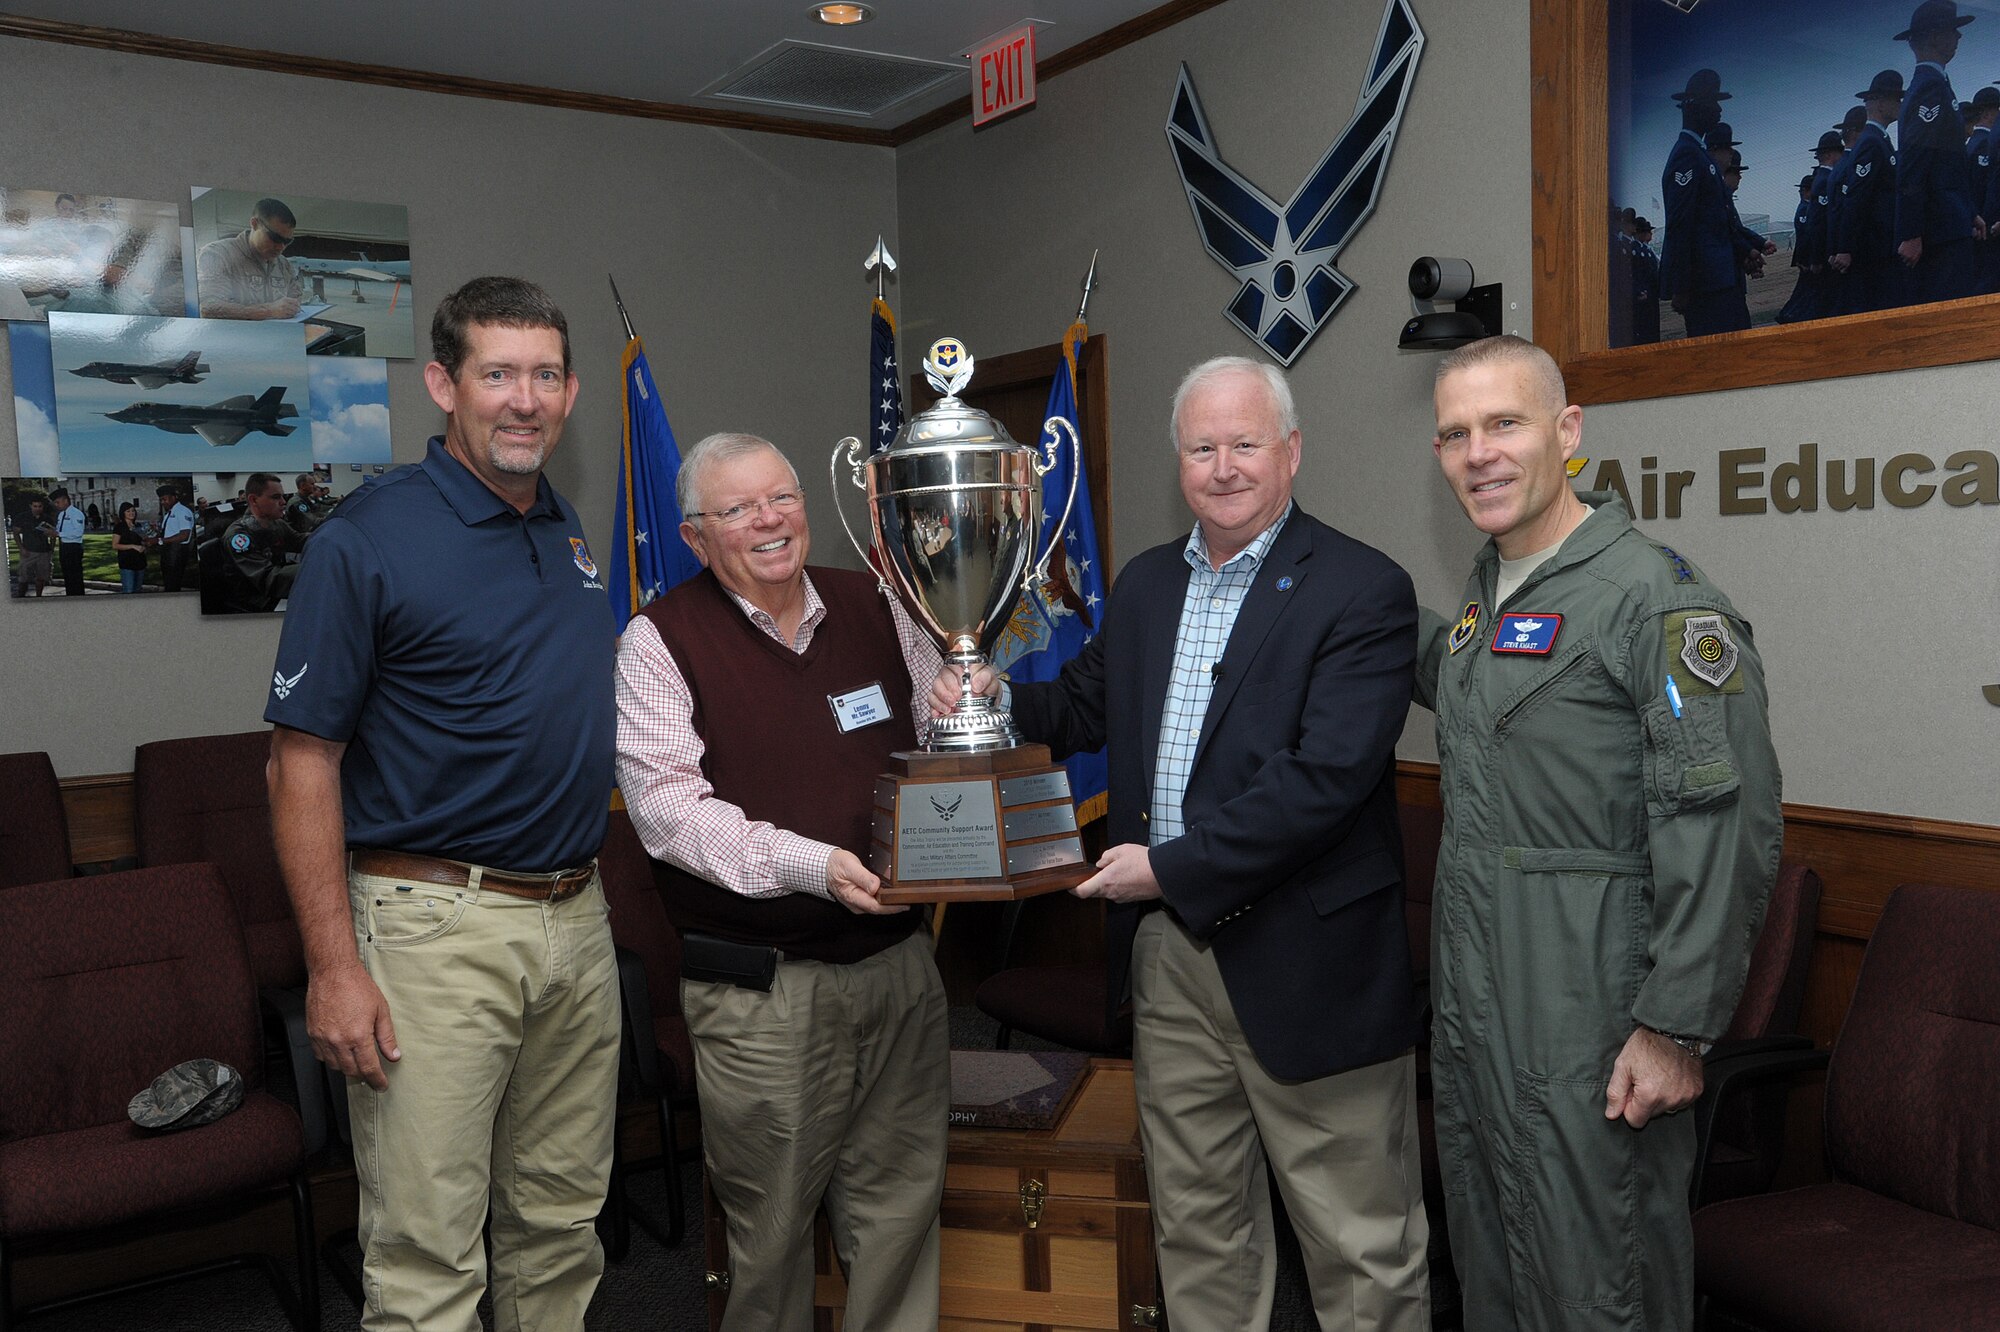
(1039, 573)
(852, 448)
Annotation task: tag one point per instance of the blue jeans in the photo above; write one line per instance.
(131, 580)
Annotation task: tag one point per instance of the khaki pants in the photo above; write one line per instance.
(1343, 1148)
(506, 1010)
(834, 1085)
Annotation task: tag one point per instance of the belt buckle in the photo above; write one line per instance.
(561, 889)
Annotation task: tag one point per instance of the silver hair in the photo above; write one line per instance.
(1507, 347)
(719, 448)
(1215, 367)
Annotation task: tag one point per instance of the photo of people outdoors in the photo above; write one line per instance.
(339, 267)
(76, 536)
(87, 252)
(1776, 161)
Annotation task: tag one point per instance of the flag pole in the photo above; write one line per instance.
(879, 262)
(1089, 285)
(630, 334)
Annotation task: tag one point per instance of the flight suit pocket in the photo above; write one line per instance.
(1575, 1219)
(405, 917)
(1688, 763)
(1577, 912)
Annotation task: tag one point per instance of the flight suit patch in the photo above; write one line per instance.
(1529, 634)
(1467, 626)
(1707, 647)
(1683, 571)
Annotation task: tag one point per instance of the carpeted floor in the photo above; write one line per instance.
(653, 1290)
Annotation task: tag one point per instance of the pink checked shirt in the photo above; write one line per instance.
(674, 808)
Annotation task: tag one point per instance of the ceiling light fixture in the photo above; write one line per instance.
(842, 16)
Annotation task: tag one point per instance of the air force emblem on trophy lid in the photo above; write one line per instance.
(948, 365)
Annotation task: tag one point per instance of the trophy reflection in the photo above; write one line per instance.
(955, 508)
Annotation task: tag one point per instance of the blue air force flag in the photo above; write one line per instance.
(885, 393)
(649, 556)
(1052, 625)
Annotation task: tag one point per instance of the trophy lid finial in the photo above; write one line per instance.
(948, 366)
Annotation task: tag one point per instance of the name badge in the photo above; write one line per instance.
(859, 707)
(1533, 635)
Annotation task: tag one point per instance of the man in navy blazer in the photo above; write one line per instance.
(1250, 683)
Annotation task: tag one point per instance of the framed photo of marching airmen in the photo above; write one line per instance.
(1807, 182)
(197, 454)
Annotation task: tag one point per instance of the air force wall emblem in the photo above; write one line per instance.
(1285, 253)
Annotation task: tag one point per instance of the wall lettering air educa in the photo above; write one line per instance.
(1753, 481)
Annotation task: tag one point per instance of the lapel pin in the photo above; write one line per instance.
(1285, 583)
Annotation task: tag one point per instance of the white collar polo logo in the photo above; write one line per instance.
(282, 686)
(1285, 254)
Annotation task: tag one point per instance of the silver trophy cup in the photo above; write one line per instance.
(955, 512)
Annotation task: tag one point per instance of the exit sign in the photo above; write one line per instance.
(1003, 75)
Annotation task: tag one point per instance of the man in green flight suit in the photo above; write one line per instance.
(1611, 834)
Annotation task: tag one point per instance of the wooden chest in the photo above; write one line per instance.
(1043, 1228)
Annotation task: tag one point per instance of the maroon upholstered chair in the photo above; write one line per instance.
(34, 831)
(1068, 1003)
(107, 982)
(1906, 1232)
(1744, 1141)
(660, 1052)
(203, 798)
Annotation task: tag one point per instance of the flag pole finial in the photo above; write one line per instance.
(1089, 285)
(629, 332)
(879, 262)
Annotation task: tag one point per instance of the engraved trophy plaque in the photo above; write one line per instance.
(955, 509)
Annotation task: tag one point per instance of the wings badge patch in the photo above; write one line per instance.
(1285, 253)
(1683, 177)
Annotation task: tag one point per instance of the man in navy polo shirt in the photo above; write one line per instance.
(440, 776)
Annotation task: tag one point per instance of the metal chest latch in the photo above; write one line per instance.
(1032, 1195)
(714, 1281)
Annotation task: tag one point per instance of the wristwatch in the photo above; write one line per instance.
(1693, 1046)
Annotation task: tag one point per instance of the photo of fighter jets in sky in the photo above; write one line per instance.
(145, 394)
(190, 369)
(220, 423)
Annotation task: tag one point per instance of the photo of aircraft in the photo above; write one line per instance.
(221, 423)
(189, 369)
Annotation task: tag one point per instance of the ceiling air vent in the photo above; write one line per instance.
(803, 76)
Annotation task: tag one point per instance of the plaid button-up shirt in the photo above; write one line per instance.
(1214, 596)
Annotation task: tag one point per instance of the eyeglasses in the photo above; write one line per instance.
(737, 514)
(281, 241)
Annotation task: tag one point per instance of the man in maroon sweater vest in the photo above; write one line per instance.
(756, 703)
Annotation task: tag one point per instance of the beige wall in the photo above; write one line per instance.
(739, 256)
(1878, 627)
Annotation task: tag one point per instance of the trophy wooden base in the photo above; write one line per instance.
(993, 826)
